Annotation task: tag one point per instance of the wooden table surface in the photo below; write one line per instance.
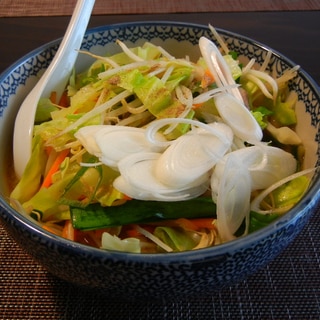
(61, 7)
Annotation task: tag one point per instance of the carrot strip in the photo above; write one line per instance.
(53, 97)
(132, 233)
(54, 168)
(197, 106)
(207, 79)
(64, 100)
(206, 223)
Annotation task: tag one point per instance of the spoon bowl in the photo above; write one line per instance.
(54, 79)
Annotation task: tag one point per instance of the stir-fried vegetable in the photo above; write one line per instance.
(141, 140)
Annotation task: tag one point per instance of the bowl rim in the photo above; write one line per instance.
(308, 202)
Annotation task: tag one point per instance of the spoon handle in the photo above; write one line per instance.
(68, 49)
(54, 78)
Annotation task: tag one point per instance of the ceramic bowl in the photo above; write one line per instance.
(154, 275)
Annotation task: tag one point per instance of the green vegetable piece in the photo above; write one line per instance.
(95, 216)
(258, 220)
(173, 112)
(290, 193)
(112, 242)
(44, 109)
(146, 52)
(234, 54)
(92, 75)
(46, 201)
(284, 113)
(33, 174)
(233, 65)
(176, 238)
(151, 91)
(285, 197)
(261, 114)
(85, 177)
(178, 76)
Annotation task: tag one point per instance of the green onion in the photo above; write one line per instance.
(94, 216)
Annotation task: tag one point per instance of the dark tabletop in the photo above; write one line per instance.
(287, 288)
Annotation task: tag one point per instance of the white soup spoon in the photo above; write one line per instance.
(55, 79)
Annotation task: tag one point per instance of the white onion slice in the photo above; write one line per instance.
(86, 136)
(155, 126)
(266, 165)
(112, 143)
(190, 157)
(238, 117)
(276, 165)
(238, 174)
(233, 200)
(138, 181)
(218, 66)
(116, 142)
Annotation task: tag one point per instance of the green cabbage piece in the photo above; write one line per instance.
(150, 90)
(261, 115)
(147, 52)
(234, 66)
(284, 112)
(32, 177)
(91, 185)
(46, 201)
(112, 242)
(176, 238)
(291, 192)
(44, 109)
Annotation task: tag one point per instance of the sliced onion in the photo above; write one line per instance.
(116, 142)
(138, 181)
(112, 143)
(260, 78)
(188, 160)
(238, 117)
(155, 126)
(266, 165)
(233, 200)
(138, 170)
(218, 66)
(276, 165)
(86, 136)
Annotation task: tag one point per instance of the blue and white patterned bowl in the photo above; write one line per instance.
(154, 275)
